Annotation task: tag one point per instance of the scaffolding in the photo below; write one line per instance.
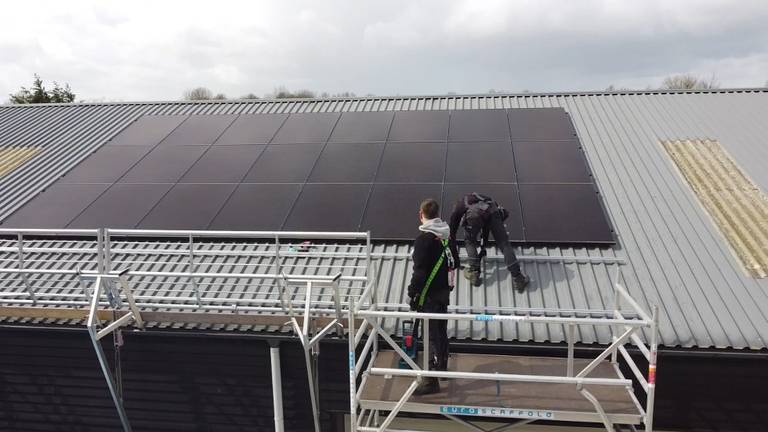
(111, 278)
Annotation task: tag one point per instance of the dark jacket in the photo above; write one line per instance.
(427, 249)
(480, 223)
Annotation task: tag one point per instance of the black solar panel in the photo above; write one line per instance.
(416, 126)
(563, 213)
(479, 125)
(480, 162)
(393, 209)
(55, 207)
(328, 207)
(411, 162)
(550, 162)
(252, 129)
(284, 164)
(106, 165)
(223, 164)
(504, 194)
(121, 206)
(147, 130)
(199, 130)
(188, 206)
(347, 163)
(540, 124)
(362, 127)
(257, 207)
(164, 164)
(306, 128)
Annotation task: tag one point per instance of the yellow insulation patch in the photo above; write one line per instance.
(736, 204)
(13, 157)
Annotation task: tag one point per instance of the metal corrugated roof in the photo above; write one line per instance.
(678, 259)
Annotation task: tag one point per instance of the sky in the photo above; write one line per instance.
(155, 50)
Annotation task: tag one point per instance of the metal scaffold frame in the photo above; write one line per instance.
(114, 275)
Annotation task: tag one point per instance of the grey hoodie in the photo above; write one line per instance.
(437, 227)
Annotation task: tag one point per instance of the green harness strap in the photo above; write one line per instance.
(432, 275)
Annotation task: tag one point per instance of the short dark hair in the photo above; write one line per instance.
(430, 208)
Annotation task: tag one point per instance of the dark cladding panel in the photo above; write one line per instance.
(343, 163)
(362, 127)
(412, 162)
(479, 125)
(223, 164)
(147, 130)
(480, 162)
(252, 129)
(540, 124)
(565, 213)
(199, 130)
(306, 128)
(164, 164)
(188, 206)
(257, 207)
(56, 207)
(284, 164)
(121, 206)
(505, 194)
(419, 126)
(328, 207)
(550, 162)
(393, 210)
(107, 165)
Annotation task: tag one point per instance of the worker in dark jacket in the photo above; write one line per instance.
(480, 216)
(430, 286)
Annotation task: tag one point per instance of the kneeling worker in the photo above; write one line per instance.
(480, 215)
(429, 288)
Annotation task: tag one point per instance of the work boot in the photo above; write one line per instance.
(473, 276)
(521, 281)
(427, 386)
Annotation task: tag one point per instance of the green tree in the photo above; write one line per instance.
(38, 93)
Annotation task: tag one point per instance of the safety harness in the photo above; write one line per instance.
(435, 269)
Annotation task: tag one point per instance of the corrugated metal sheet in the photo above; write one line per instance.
(678, 259)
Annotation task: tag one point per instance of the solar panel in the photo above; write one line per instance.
(480, 162)
(478, 125)
(328, 207)
(257, 207)
(393, 209)
(199, 130)
(412, 162)
(362, 127)
(284, 164)
(187, 206)
(164, 164)
(147, 130)
(121, 206)
(252, 129)
(107, 165)
(415, 126)
(540, 124)
(339, 163)
(223, 164)
(505, 194)
(550, 162)
(306, 128)
(564, 213)
(55, 207)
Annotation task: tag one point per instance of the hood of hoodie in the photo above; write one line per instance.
(437, 227)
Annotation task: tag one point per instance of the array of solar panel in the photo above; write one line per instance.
(331, 172)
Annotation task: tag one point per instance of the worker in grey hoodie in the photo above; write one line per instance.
(430, 285)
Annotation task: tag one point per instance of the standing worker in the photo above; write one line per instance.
(480, 215)
(430, 288)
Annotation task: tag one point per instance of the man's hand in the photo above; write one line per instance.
(413, 302)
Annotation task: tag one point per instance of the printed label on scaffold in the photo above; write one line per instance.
(497, 412)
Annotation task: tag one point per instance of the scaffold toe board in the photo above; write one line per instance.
(504, 399)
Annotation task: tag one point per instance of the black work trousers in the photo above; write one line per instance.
(438, 336)
(498, 229)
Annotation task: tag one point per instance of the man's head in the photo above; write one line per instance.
(429, 209)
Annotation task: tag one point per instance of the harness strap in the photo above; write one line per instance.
(432, 275)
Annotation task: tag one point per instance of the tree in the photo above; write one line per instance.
(689, 82)
(198, 93)
(249, 96)
(38, 94)
(220, 96)
(283, 93)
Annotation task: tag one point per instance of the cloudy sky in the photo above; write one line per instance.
(154, 50)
